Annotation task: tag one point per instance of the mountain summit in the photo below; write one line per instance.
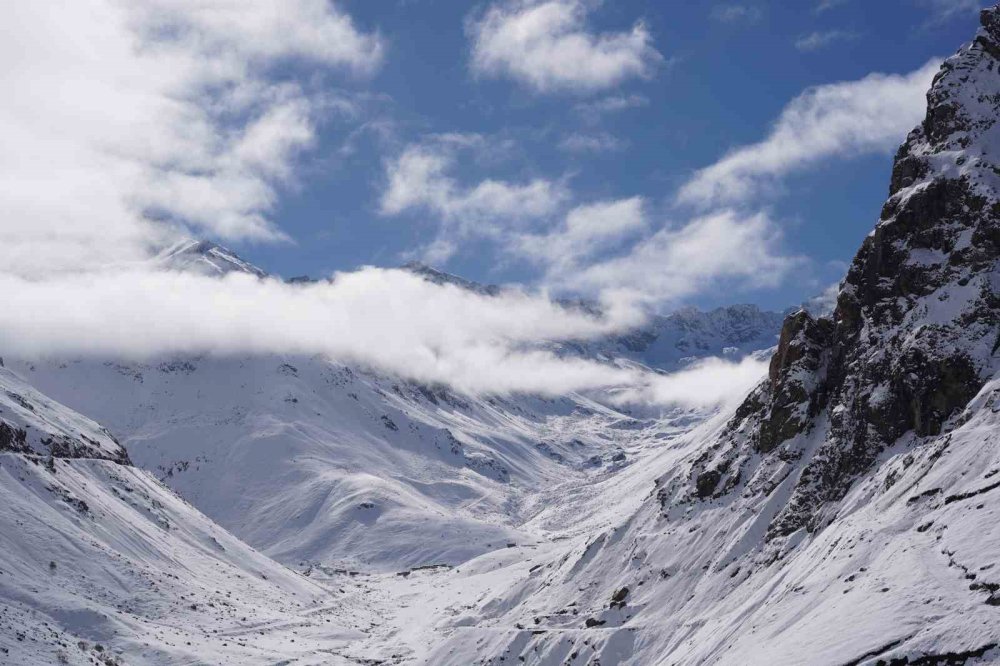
(202, 256)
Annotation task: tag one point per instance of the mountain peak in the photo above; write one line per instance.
(439, 277)
(206, 257)
(914, 332)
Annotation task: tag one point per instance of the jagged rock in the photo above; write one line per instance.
(915, 328)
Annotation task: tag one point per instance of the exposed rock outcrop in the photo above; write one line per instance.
(915, 331)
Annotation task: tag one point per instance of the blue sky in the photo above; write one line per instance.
(727, 70)
(671, 152)
(648, 155)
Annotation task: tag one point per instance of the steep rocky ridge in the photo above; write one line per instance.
(915, 331)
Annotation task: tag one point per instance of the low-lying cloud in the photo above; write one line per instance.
(712, 381)
(389, 320)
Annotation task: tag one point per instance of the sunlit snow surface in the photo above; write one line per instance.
(905, 569)
(324, 468)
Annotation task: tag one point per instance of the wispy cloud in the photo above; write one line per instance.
(943, 10)
(826, 5)
(422, 178)
(709, 382)
(133, 120)
(593, 111)
(587, 230)
(599, 142)
(872, 114)
(679, 261)
(549, 47)
(815, 41)
(734, 13)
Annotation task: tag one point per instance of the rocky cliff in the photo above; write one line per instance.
(915, 332)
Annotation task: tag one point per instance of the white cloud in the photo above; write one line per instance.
(815, 41)
(826, 5)
(947, 9)
(736, 13)
(547, 46)
(824, 303)
(872, 114)
(129, 120)
(709, 382)
(586, 231)
(416, 330)
(421, 179)
(263, 30)
(678, 262)
(600, 142)
(600, 249)
(593, 111)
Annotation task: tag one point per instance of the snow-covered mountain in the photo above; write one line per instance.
(101, 563)
(665, 342)
(310, 460)
(204, 257)
(845, 513)
(671, 342)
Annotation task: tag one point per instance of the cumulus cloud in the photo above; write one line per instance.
(678, 262)
(872, 114)
(600, 248)
(132, 121)
(815, 41)
(548, 46)
(421, 179)
(586, 230)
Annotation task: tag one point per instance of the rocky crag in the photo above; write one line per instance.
(914, 335)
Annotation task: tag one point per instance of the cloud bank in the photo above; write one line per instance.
(389, 320)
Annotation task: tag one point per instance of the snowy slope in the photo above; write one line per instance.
(99, 562)
(313, 461)
(32, 423)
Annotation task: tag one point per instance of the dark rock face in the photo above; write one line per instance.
(32, 424)
(917, 322)
(13, 439)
